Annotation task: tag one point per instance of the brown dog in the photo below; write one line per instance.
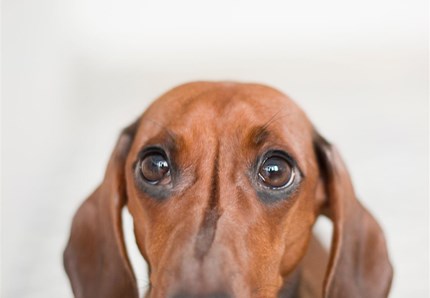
(224, 182)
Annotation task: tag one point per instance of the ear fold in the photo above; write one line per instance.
(358, 264)
(95, 257)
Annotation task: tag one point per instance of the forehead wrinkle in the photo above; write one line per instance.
(212, 99)
(211, 105)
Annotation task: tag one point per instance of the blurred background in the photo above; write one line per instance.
(74, 73)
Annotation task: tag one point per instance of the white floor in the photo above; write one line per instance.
(74, 75)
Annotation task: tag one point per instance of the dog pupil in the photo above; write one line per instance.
(275, 172)
(154, 167)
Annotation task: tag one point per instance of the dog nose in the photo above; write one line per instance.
(212, 295)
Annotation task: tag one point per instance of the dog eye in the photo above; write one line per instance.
(155, 169)
(276, 172)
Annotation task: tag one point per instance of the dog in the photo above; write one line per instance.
(224, 182)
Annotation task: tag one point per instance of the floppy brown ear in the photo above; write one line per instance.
(95, 258)
(358, 265)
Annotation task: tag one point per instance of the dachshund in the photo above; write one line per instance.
(224, 182)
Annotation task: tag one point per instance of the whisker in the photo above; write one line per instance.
(274, 118)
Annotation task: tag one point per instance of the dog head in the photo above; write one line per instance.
(224, 182)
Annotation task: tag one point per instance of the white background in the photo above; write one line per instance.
(74, 73)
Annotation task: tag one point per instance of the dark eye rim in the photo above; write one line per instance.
(295, 171)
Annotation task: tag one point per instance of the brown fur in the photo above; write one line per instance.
(211, 233)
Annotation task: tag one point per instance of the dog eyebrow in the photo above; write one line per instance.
(258, 135)
(167, 140)
(168, 137)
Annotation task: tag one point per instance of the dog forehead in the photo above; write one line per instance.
(225, 104)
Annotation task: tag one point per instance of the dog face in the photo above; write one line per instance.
(222, 186)
(224, 182)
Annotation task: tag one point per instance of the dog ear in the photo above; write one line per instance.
(95, 258)
(358, 264)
